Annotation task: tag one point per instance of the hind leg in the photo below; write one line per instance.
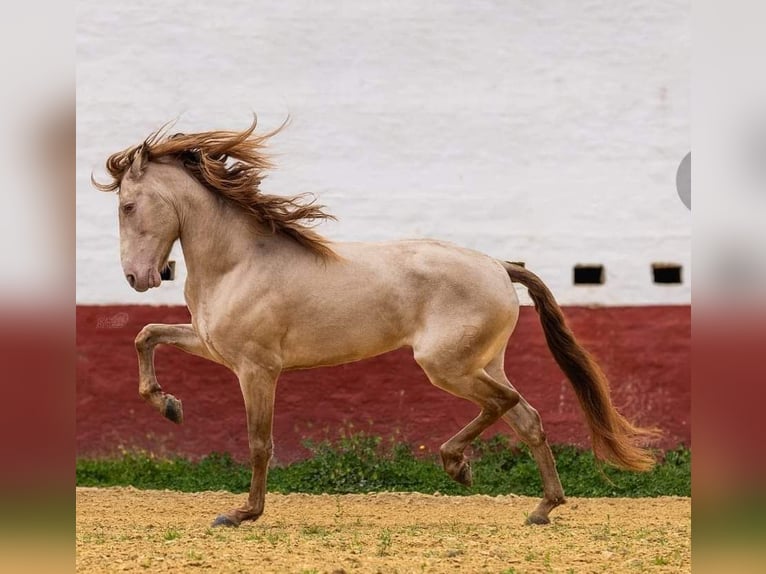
(493, 398)
(526, 423)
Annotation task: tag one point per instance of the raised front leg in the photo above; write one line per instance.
(258, 387)
(183, 337)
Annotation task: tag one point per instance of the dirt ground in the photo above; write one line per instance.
(124, 529)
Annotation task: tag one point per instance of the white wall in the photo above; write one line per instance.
(548, 132)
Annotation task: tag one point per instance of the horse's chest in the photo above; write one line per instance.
(205, 327)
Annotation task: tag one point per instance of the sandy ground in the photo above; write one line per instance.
(124, 529)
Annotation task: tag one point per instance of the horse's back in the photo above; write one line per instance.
(437, 267)
(437, 282)
(380, 296)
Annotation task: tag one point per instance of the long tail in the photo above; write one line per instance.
(614, 437)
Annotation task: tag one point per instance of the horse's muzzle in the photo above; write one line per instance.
(144, 281)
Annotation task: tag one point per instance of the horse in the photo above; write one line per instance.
(268, 294)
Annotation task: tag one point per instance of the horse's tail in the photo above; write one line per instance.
(614, 437)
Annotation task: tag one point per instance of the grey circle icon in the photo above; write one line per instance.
(684, 180)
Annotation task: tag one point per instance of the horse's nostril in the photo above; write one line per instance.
(131, 279)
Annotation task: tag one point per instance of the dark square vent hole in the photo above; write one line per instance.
(667, 273)
(169, 272)
(588, 274)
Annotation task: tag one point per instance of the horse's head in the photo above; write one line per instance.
(149, 223)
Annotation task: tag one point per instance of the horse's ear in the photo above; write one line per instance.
(139, 162)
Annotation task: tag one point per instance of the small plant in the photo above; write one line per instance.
(356, 544)
(384, 542)
(314, 530)
(95, 538)
(275, 538)
(338, 510)
(171, 534)
(604, 532)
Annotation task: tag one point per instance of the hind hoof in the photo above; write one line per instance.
(223, 520)
(173, 410)
(538, 519)
(464, 475)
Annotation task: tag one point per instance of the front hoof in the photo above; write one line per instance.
(173, 410)
(538, 519)
(223, 520)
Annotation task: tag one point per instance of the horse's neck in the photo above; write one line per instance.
(215, 235)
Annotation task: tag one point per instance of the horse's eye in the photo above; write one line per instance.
(128, 208)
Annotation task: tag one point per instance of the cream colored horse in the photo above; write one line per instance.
(267, 294)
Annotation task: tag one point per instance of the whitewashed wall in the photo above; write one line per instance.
(548, 132)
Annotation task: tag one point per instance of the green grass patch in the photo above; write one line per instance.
(361, 463)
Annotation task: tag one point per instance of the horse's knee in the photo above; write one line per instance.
(143, 339)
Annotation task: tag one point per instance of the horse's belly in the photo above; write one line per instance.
(328, 343)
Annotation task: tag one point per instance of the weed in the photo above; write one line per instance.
(171, 534)
(384, 542)
(275, 538)
(338, 510)
(314, 530)
(603, 532)
(362, 463)
(94, 538)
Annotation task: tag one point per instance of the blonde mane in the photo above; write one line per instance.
(231, 164)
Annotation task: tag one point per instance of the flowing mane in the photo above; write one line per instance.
(231, 164)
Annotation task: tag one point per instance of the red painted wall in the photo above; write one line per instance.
(644, 350)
